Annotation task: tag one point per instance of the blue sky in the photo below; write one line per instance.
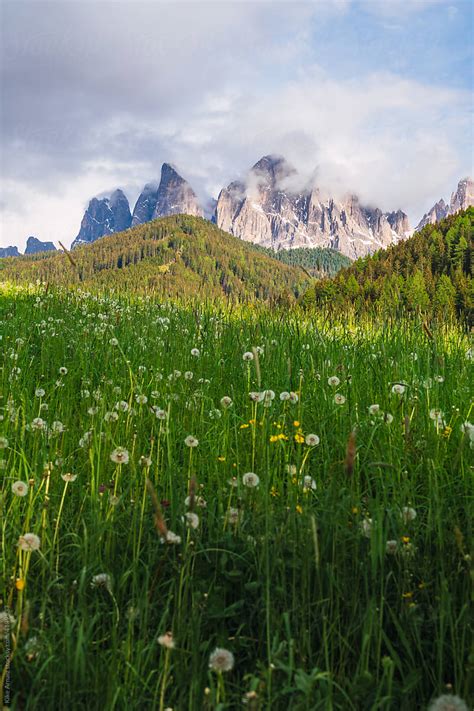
(369, 96)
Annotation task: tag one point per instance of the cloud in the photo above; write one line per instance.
(96, 95)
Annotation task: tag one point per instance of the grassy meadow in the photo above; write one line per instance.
(291, 491)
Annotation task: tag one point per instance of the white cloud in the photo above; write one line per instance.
(99, 95)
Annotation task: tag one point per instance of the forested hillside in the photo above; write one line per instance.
(318, 261)
(178, 256)
(430, 272)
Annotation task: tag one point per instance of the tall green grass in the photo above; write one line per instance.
(293, 576)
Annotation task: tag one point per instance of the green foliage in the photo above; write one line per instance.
(179, 256)
(429, 273)
(318, 261)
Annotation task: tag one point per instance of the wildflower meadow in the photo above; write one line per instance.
(219, 507)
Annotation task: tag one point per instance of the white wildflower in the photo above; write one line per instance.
(334, 381)
(166, 640)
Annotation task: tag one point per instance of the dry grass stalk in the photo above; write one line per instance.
(350, 454)
(158, 517)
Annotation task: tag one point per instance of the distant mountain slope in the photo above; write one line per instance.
(431, 271)
(177, 256)
(461, 199)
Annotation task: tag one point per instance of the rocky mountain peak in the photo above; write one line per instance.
(175, 195)
(34, 245)
(461, 199)
(104, 216)
(171, 196)
(9, 252)
(270, 210)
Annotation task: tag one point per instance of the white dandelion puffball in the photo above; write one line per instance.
(408, 514)
(226, 401)
(191, 441)
(334, 381)
(312, 440)
(68, 477)
(166, 640)
(247, 356)
(251, 480)
(29, 542)
(171, 538)
(141, 399)
(120, 455)
(233, 516)
(38, 424)
(199, 501)
(192, 519)
(391, 547)
(448, 702)
(20, 488)
(221, 660)
(3, 443)
(366, 527)
(102, 580)
(284, 396)
(294, 398)
(339, 399)
(374, 409)
(398, 389)
(62, 371)
(195, 352)
(39, 392)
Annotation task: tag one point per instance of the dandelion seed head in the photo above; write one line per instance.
(102, 580)
(120, 455)
(20, 488)
(250, 480)
(166, 640)
(68, 477)
(221, 660)
(312, 440)
(448, 702)
(29, 542)
(191, 441)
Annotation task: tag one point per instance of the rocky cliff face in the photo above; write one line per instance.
(265, 209)
(104, 217)
(9, 252)
(461, 199)
(34, 245)
(173, 196)
(145, 205)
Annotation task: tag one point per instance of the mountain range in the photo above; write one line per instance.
(271, 207)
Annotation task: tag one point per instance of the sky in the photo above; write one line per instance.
(369, 96)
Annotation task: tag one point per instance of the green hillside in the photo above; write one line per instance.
(430, 272)
(318, 261)
(178, 256)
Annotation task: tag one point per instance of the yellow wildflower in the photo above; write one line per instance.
(20, 584)
(221, 459)
(299, 438)
(299, 509)
(296, 423)
(244, 426)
